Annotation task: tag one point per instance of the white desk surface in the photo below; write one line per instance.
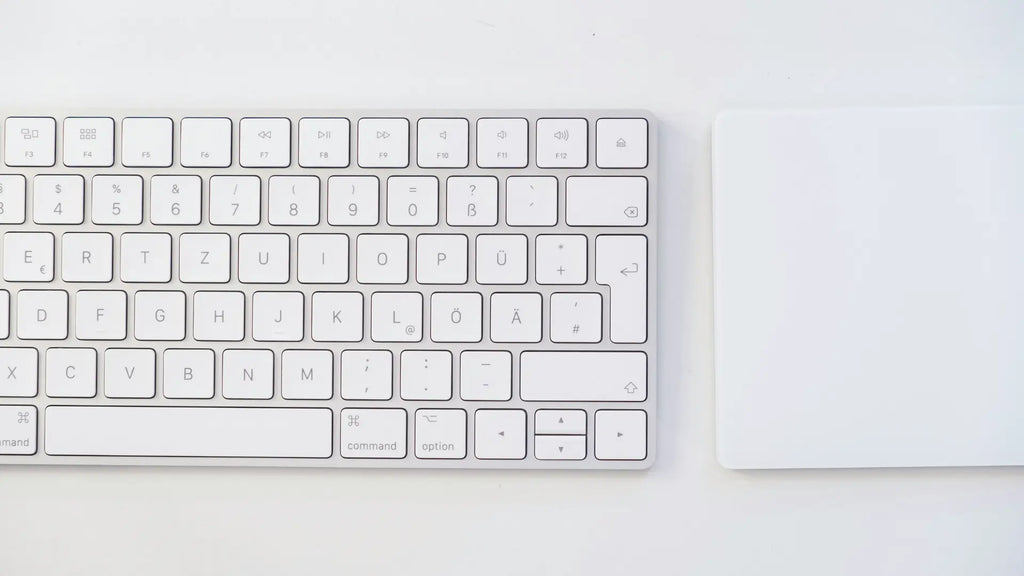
(684, 60)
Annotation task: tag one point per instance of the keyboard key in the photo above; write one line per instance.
(247, 374)
(28, 256)
(19, 372)
(117, 200)
(500, 434)
(472, 201)
(188, 374)
(265, 142)
(176, 200)
(30, 141)
(5, 314)
(147, 142)
(323, 142)
(58, 199)
(366, 374)
(597, 376)
(561, 143)
(501, 142)
(456, 316)
(486, 375)
(622, 143)
(337, 317)
(396, 316)
(620, 435)
(323, 258)
(622, 265)
(192, 431)
(206, 142)
(17, 429)
(88, 141)
(440, 434)
(531, 201)
(442, 258)
(204, 258)
(277, 316)
(101, 315)
(235, 200)
(353, 201)
(71, 373)
(159, 316)
(218, 316)
(382, 259)
(86, 257)
(606, 201)
(560, 422)
(561, 259)
(560, 447)
(442, 142)
(307, 375)
(12, 199)
(501, 259)
(383, 142)
(412, 201)
(575, 317)
(42, 315)
(373, 433)
(129, 373)
(146, 257)
(515, 317)
(294, 201)
(263, 258)
(426, 375)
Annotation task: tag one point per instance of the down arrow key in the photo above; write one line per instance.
(560, 447)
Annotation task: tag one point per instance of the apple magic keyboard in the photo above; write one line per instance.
(458, 289)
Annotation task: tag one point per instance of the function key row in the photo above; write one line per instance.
(326, 142)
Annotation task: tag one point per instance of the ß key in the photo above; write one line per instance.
(417, 289)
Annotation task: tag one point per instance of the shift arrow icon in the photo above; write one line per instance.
(630, 388)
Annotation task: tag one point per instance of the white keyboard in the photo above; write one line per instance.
(461, 289)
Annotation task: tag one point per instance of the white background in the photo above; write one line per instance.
(682, 60)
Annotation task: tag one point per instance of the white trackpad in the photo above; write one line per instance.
(869, 287)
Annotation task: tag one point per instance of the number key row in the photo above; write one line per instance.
(351, 200)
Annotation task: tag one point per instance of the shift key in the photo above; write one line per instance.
(595, 376)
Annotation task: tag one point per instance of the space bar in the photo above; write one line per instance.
(167, 431)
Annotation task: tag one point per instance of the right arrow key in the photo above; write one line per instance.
(620, 435)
